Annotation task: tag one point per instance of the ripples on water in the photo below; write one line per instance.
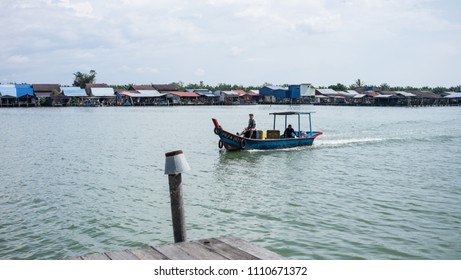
(381, 183)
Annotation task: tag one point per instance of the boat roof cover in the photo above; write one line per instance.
(291, 113)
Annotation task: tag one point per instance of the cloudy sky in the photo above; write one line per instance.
(245, 42)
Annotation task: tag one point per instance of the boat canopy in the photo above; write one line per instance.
(293, 113)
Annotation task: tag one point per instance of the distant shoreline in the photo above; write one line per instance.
(227, 105)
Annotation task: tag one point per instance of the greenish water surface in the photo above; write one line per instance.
(381, 183)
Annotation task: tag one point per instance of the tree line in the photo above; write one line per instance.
(82, 78)
(386, 87)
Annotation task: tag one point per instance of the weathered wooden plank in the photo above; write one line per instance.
(148, 253)
(199, 252)
(224, 249)
(122, 255)
(254, 250)
(96, 256)
(172, 252)
(73, 258)
(221, 248)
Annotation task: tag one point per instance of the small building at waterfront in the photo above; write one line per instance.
(275, 91)
(454, 98)
(101, 94)
(49, 95)
(228, 97)
(182, 98)
(77, 95)
(21, 95)
(8, 96)
(206, 97)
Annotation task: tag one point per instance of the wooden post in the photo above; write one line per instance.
(175, 164)
(177, 208)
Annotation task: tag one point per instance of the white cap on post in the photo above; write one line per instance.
(176, 163)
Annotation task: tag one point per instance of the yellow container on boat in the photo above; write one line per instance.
(260, 134)
(273, 134)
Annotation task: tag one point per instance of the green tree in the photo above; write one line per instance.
(54, 92)
(410, 88)
(425, 88)
(440, 90)
(180, 85)
(384, 86)
(81, 79)
(42, 101)
(455, 89)
(338, 87)
(397, 88)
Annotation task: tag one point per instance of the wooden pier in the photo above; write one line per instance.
(220, 248)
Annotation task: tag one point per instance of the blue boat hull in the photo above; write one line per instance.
(232, 141)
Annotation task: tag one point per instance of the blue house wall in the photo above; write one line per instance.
(294, 91)
(280, 93)
(265, 91)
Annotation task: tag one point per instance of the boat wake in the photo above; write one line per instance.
(330, 143)
(342, 142)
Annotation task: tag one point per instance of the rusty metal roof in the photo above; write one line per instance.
(184, 94)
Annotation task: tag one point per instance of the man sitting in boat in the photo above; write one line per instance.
(289, 132)
(250, 129)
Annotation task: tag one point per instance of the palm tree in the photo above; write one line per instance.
(359, 83)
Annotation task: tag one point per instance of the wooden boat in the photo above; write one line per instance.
(270, 139)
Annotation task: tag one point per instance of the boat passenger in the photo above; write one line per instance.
(289, 132)
(250, 129)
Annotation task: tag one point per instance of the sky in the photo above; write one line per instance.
(244, 42)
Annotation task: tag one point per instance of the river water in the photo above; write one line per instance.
(381, 183)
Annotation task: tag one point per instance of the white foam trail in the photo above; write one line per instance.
(331, 143)
(341, 142)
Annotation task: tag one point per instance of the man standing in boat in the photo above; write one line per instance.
(251, 127)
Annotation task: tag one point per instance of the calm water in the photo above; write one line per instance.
(381, 183)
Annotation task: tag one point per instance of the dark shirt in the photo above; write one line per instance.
(289, 131)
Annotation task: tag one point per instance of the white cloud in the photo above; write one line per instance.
(17, 59)
(291, 15)
(199, 72)
(327, 23)
(79, 8)
(147, 70)
(257, 41)
(236, 51)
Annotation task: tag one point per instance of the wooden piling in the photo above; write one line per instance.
(177, 207)
(175, 164)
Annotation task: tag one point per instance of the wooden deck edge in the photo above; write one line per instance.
(216, 248)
